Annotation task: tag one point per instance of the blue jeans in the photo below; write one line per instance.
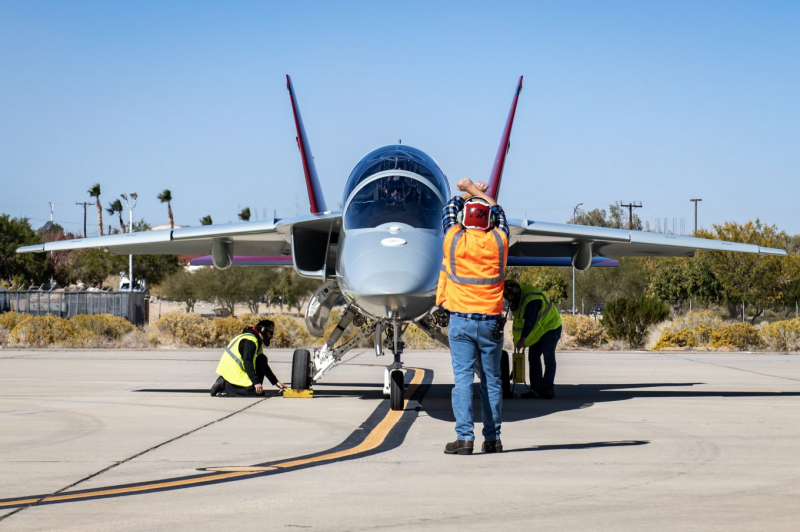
(472, 341)
(545, 347)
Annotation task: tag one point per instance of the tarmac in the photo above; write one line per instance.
(131, 440)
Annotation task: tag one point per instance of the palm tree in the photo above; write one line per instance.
(116, 207)
(95, 193)
(166, 197)
(206, 220)
(245, 214)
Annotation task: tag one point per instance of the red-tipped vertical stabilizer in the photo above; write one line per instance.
(315, 197)
(502, 150)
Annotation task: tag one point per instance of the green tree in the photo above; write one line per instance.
(617, 217)
(95, 193)
(549, 280)
(759, 281)
(628, 319)
(115, 207)
(181, 286)
(630, 279)
(679, 280)
(206, 220)
(293, 289)
(245, 214)
(166, 197)
(16, 267)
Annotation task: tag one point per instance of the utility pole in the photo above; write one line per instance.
(631, 206)
(84, 203)
(574, 211)
(695, 212)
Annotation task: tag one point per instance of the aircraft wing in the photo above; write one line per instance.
(530, 238)
(266, 238)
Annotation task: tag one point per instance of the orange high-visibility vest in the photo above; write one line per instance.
(473, 271)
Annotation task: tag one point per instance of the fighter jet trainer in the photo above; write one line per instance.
(383, 251)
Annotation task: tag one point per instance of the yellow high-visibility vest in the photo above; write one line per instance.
(231, 365)
(547, 320)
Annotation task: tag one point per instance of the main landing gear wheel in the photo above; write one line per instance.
(396, 393)
(301, 365)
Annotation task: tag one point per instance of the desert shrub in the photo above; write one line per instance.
(135, 339)
(289, 332)
(693, 329)
(41, 331)
(680, 338)
(227, 328)
(736, 336)
(628, 319)
(83, 339)
(704, 319)
(191, 330)
(585, 331)
(416, 338)
(782, 335)
(3, 336)
(9, 320)
(102, 325)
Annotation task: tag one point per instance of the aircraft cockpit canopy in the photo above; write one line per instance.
(395, 184)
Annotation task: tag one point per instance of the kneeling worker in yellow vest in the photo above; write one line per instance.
(243, 365)
(537, 326)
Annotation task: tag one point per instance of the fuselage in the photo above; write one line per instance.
(390, 245)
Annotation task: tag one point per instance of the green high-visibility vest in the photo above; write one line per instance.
(547, 319)
(231, 365)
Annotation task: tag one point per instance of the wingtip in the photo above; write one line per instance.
(36, 248)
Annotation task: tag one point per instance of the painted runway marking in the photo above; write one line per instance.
(381, 432)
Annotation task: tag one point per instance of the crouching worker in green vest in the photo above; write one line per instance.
(537, 326)
(243, 365)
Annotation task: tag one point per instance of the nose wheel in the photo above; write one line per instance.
(397, 389)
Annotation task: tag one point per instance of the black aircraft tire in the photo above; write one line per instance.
(397, 392)
(301, 363)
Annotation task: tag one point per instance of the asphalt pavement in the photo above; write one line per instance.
(131, 440)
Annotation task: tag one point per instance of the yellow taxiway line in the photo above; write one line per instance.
(373, 440)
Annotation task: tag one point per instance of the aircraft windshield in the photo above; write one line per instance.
(397, 157)
(394, 198)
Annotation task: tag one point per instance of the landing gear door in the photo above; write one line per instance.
(319, 307)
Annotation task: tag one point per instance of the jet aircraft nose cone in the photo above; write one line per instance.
(392, 276)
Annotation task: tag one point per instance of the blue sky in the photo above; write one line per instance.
(657, 102)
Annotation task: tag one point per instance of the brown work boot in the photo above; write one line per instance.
(459, 447)
(492, 446)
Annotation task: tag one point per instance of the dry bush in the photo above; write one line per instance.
(416, 338)
(782, 335)
(3, 336)
(693, 329)
(190, 330)
(227, 328)
(736, 336)
(582, 330)
(135, 339)
(84, 339)
(290, 332)
(694, 318)
(103, 325)
(9, 320)
(41, 331)
(681, 338)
